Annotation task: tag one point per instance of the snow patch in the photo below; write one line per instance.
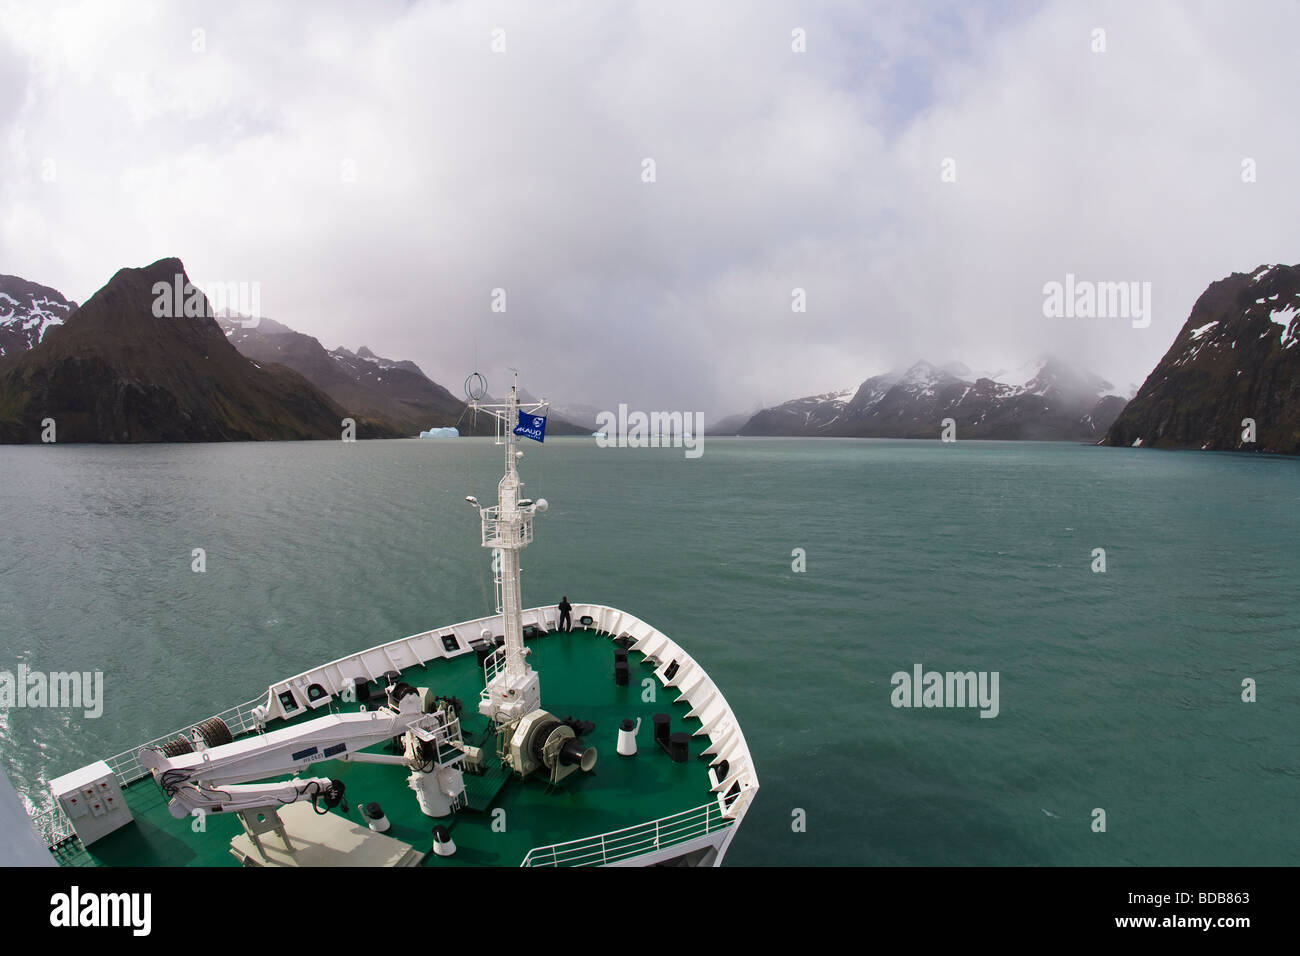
(1290, 328)
(1283, 316)
(1020, 377)
(922, 373)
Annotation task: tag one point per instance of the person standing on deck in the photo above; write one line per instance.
(566, 622)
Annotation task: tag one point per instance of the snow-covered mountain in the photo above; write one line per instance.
(118, 372)
(1237, 357)
(816, 413)
(1046, 399)
(27, 312)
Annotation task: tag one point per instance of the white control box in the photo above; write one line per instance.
(92, 800)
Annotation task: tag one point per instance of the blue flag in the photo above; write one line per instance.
(531, 426)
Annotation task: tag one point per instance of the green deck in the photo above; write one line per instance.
(577, 680)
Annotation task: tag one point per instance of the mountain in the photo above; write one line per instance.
(115, 371)
(813, 415)
(729, 424)
(1045, 400)
(392, 391)
(27, 312)
(1236, 358)
(397, 393)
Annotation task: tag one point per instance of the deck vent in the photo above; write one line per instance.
(621, 673)
(449, 643)
(671, 672)
(627, 737)
(443, 844)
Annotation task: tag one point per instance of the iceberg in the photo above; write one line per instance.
(440, 433)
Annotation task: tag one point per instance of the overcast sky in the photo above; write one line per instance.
(380, 169)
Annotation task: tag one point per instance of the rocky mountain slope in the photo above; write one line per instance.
(1236, 358)
(398, 393)
(115, 371)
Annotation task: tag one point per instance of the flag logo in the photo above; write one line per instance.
(531, 426)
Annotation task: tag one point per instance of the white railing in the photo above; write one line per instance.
(53, 825)
(606, 848)
(499, 532)
(126, 765)
(493, 665)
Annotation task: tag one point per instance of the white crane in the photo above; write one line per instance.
(215, 779)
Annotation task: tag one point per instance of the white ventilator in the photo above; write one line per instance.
(443, 844)
(627, 732)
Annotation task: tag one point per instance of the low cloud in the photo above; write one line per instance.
(380, 170)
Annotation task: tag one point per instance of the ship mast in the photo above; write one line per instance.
(512, 686)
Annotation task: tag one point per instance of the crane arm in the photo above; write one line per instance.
(210, 779)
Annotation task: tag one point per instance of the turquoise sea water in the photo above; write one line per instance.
(1119, 690)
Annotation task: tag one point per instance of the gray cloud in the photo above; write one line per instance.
(475, 170)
